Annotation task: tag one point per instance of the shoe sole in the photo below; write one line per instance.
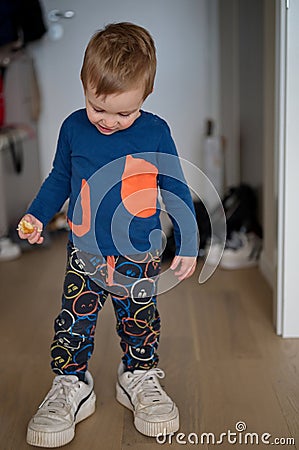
(60, 438)
(151, 429)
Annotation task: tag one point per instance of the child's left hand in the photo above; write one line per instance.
(185, 265)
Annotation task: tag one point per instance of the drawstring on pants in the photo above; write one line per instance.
(110, 270)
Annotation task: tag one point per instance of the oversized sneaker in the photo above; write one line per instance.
(154, 411)
(68, 402)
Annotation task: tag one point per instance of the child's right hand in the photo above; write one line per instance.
(24, 226)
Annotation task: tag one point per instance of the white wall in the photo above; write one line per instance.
(229, 88)
(268, 255)
(251, 88)
(186, 89)
(242, 86)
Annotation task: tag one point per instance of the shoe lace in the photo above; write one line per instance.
(62, 392)
(147, 384)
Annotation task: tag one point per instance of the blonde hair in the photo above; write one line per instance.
(120, 57)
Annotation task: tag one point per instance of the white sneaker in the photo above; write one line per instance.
(244, 254)
(141, 392)
(241, 250)
(68, 402)
(8, 249)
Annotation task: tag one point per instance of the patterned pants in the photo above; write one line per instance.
(131, 282)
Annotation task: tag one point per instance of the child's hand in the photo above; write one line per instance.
(30, 228)
(185, 265)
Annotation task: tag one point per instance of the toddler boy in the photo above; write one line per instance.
(110, 161)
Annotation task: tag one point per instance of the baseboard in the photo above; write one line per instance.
(268, 269)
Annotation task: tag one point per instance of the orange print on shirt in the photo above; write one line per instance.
(139, 187)
(83, 228)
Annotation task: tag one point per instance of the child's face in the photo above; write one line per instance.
(113, 112)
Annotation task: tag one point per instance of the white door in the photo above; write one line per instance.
(287, 306)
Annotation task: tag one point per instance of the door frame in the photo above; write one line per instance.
(286, 305)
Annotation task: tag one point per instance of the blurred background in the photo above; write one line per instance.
(219, 85)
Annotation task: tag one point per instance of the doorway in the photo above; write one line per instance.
(247, 48)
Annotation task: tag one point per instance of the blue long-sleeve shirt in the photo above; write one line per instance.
(112, 183)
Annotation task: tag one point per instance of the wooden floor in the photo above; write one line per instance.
(223, 361)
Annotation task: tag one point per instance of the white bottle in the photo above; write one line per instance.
(213, 164)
